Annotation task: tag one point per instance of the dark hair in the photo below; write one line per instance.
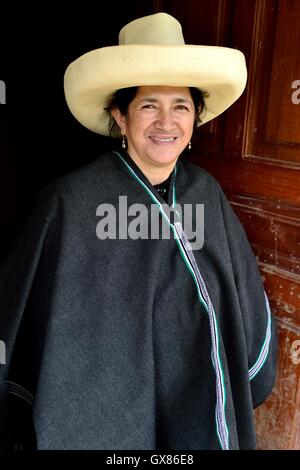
(122, 98)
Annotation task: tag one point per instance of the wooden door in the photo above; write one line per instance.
(253, 150)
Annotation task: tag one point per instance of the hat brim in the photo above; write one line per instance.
(93, 77)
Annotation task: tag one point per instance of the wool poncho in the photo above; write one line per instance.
(133, 342)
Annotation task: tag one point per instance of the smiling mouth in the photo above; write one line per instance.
(163, 140)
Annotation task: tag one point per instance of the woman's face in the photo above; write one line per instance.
(158, 126)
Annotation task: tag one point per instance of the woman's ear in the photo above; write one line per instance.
(120, 119)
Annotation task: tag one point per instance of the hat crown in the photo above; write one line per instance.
(158, 29)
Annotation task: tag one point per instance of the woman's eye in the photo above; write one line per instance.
(148, 106)
(182, 107)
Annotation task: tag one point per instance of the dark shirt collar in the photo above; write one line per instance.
(164, 196)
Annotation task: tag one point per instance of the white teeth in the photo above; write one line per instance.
(161, 139)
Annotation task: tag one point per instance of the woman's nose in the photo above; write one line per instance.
(165, 119)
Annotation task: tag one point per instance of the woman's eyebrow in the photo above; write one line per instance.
(149, 99)
(183, 100)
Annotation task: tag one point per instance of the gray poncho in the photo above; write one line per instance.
(124, 343)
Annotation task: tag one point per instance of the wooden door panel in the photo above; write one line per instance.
(272, 229)
(238, 176)
(283, 113)
(278, 418)
(273, 117)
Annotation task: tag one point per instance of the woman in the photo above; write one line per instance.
(122, 334)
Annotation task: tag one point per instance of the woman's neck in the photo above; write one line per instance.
(156, 174)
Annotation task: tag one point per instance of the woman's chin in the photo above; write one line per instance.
(164, 156)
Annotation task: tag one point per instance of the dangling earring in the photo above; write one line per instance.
(124, 142)
(190, 145)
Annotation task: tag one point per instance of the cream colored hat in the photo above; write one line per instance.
(152, 51)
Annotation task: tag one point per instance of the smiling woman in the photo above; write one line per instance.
(158, 125)
(139, 341)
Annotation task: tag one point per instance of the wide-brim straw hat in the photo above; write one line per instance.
(152, 51)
